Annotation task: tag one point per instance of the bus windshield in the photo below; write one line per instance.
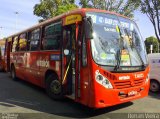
(108, 41)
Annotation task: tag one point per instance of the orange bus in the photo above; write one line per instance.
(2, 49)
(94, 57)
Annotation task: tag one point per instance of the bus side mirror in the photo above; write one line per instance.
(88, 27)
(66, 52)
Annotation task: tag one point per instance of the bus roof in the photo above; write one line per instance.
(76, 11)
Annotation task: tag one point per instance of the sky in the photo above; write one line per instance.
(10, 22)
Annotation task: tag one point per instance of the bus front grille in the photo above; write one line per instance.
(138, 82)
(128, 84)
(122, 84)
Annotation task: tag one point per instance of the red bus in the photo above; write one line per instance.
(2, 49)
(94, 57)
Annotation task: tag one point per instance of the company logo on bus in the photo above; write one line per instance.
(124, 77)
(42, 63)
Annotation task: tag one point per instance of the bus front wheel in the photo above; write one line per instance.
(13, 73)
(154, 86)
(53, 87)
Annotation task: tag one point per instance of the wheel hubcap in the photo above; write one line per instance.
(55, 87)
(154, 87)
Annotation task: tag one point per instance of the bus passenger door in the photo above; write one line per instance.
(69, 60)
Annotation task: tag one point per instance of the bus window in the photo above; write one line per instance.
(34, 40)
(14, 45)
(23, 42)
(2, 47)
(2, 50)
(52, 35)
(0, 53)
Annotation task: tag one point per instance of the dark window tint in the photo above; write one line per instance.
(52, 37)
(34, 40)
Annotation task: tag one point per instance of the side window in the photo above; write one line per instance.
(34, 40)
(14, 45)
(84, 51)
(2, 50)
(52, 35)
(22, 42)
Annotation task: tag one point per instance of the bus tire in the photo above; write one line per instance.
(53, 87)
(154, 86)
(13, 73)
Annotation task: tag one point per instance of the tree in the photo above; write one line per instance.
(152, 9)
(50, 8)
(152, 41)
(62, 9)
(124, 7)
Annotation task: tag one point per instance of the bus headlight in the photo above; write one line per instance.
(102, 80)
(147, 79)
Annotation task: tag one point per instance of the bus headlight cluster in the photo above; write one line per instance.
(102, 80)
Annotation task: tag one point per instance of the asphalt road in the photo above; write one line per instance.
(21, 100)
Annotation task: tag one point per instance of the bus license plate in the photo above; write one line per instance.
(131, 93)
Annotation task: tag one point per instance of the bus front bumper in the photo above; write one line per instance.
(110, 97)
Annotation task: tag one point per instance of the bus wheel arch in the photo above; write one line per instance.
(154, 85)
(13, 72)
(53, 85)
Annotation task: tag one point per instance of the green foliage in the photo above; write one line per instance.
(124, 7)
(152, 9)
(151, 41)
(50, 8)
(63, 9)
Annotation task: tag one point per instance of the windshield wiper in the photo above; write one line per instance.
(143, 66)
(119, 52)
(118, 57)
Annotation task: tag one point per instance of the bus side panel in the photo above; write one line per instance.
(19, 60)
(48, 60)
(31, 68)
(13, 62)
(86, 89)
(2, 64)
(84, 86)
(2, 50)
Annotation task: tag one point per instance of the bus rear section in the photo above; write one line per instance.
(2, 50)
(154, 61)
(94, 57)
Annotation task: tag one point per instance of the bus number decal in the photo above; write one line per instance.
(139, 75)
(55, 57)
